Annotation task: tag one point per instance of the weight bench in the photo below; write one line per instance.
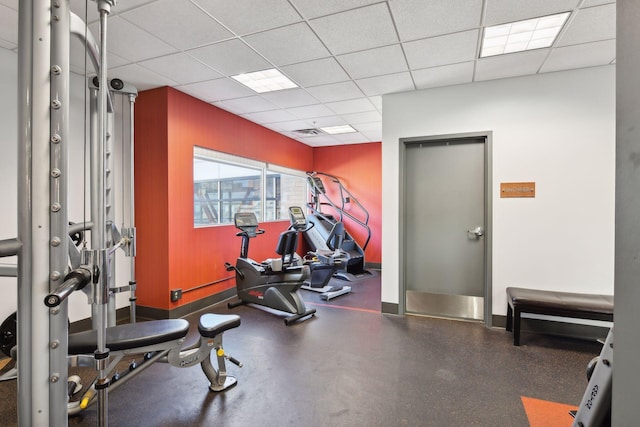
(552, 303)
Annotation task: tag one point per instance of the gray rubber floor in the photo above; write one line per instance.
(352, 366)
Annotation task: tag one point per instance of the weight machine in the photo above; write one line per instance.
(42, 246)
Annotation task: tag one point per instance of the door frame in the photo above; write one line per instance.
(488, 213)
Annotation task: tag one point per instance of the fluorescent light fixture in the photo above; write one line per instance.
(265, 80)
(519, 36)
(335, 130)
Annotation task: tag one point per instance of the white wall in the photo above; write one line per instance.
(556, 129)
(78, 308)
(8, 170)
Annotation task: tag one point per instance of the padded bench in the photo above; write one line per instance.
(552, 303)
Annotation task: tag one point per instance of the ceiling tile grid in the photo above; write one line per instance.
(178, 23)
(343, 54)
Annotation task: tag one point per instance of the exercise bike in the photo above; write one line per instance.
(273, 283)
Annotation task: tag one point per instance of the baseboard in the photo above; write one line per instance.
(373, 266)
(122, 316)
(152, 313)
(551, 327)
(390, 308)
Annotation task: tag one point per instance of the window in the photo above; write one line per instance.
(224, 184)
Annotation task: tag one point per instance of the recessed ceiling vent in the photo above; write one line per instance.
(308, 132)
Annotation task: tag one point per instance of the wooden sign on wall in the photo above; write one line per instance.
(517, 189)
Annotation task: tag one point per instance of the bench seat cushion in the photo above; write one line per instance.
(554, 303)
(568, 301)
(130, 336)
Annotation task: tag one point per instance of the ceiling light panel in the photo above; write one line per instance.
(519, 36)
(337, 130)
(265, 80)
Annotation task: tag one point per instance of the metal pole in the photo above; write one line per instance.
(132, 218)
(58, 240)
(33, 211)
(102, 287)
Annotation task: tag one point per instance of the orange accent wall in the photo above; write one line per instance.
(171, 252)
(359, 168)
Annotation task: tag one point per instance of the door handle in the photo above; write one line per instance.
(476, 232)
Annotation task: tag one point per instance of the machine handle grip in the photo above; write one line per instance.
(234, 360)
(75, 280)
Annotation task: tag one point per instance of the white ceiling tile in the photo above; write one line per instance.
(290, 126)
(502, 11)
(351, 138)
(317, 141)
(78, 58)
(8, 45)
(390, 83)
(169, 20)
(590, 25)
(288, 45)
(442, 50)
(357, 29)
(249, 16)
(13, 4)
(139, 77)
(351, 106)
(315, 73)
(89, 9)
(273, 116)
(365, 117)
(249, 104)
(230, 57)
(131, 42)
(445, 75)
(314, 8)
(376, 101)
(9, 25)
(372, 130)
(322, 122)
(374, 62)
(418, 19)
(589, 3)
(511, 65)
(579, 56)
(181, 68)
(216, 90)
(310, 111)
(336, 91)
(290, 98)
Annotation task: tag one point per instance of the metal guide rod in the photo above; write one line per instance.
(132, 220)
(102, 286)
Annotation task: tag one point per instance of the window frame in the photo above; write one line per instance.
(263, 170)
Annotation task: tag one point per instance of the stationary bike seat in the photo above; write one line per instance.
(211, 324)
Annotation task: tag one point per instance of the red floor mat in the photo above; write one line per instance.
(542, 413)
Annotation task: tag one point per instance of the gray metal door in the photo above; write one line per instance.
(444, 226)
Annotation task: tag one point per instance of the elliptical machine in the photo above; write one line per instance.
(275, 282)
(323, 263)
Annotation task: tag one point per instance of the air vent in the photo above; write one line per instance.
(308, 132)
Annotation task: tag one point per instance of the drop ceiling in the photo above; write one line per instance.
(344, 54)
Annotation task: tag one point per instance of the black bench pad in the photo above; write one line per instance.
(211, 324)
(553, 303)
(129, 336)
